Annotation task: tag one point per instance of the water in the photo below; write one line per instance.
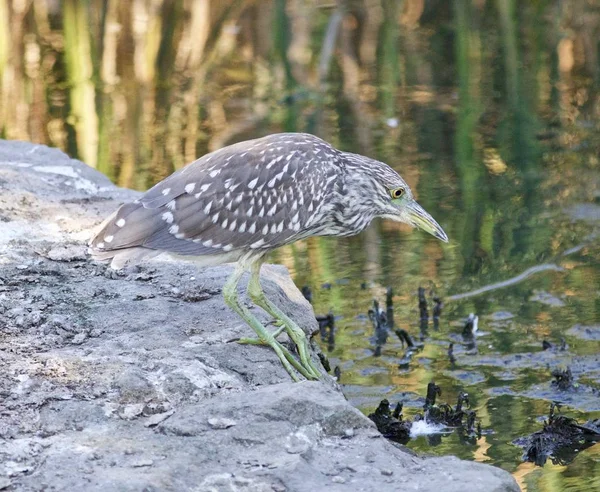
(490, 112)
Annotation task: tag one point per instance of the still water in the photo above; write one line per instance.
(489, 109)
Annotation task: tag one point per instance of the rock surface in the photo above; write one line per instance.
(129, 381)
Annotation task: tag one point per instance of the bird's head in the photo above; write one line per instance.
(392, 197)
(398, 204)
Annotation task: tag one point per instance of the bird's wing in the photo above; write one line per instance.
(254, 195)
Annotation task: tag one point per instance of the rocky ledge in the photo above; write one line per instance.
(130, 381)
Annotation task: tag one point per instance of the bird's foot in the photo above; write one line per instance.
(291, 365)
(299, 338)
(286, 357)
(302, 346)
(309, 371)
(259, 341)
(250, 341)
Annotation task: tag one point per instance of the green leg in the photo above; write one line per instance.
(258, 341)
(231, 298)
(292, 329)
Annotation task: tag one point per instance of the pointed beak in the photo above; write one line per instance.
(418, 217)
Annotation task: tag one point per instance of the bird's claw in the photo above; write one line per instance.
(304, 366)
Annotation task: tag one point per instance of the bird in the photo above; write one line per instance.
(240, 202)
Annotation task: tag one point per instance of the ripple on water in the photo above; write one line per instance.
(369, 397)
(546, 298)
(505, 375)
(500, 316)
(588, 212)
(466, 377)
(372, 370)
(585, 332)
(423, 428)
(500, 390)
(580, 397)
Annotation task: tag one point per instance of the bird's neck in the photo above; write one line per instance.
(353, 212)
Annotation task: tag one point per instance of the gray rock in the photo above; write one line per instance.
(298, 443)
(221, 423)
(127, 381)
(67, 252)
(158, 418)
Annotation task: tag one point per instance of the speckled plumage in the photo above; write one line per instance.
(240, 202)
(250, 198)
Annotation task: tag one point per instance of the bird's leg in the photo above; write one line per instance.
(292, 329)
(231, 298)
(258, 341)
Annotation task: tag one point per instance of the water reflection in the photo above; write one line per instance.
(488, 108)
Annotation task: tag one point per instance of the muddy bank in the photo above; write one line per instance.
(128, 382)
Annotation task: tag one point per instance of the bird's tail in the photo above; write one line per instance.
(121, 236)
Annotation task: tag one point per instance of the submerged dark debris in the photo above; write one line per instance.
(469, 334)
(324, 361)
(411, 348)
(381, 327)
(423, 311)
(423, 314)
(389, 307)
(546, 345)
(307, 293)
(451, 356)
(471, 326)
(405, 338)
(560, 440)
(327, 329)
(393, 425)
(383, 323)
(447, 415)
(437, 312)
(563, 379)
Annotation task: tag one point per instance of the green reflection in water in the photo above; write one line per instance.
(489, 109)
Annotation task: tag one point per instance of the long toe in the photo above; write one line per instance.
(311, 367)
(301, 367)
(300, 339)
(292, 366)
(250, 341)
(286, 359)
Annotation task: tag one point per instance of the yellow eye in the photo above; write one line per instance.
(397, 193)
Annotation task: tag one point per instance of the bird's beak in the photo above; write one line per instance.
(421, 219)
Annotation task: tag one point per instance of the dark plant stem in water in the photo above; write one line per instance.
(327, 329)
(437, 312)
(451, 356)
(389, 307)
(423, 312)
(560, 439)
(433, 390)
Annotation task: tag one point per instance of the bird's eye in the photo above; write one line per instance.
(397, 193)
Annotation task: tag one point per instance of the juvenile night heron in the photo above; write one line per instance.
(241, 202)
